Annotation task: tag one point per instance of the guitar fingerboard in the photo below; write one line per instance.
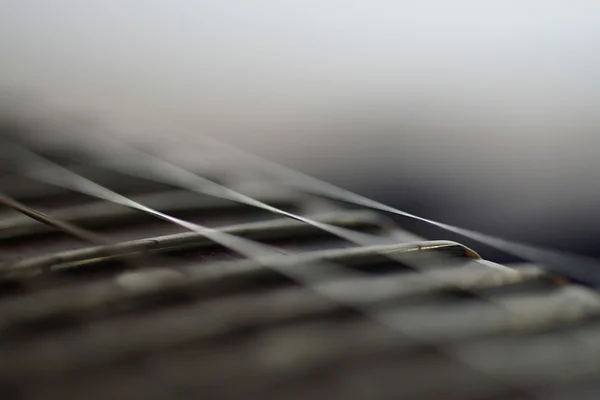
(119, 285)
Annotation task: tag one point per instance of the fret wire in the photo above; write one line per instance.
(104, 246)
(165, 242)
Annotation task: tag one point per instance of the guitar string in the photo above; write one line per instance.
(575, 266)
(105, 247)
(52, 173)
(580, 268)
(138, 163)
(73, 230)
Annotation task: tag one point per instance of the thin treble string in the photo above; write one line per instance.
(139, 163)
(584, 269)
(187, 180)
(54, 174)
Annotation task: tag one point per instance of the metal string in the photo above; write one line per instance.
(138, 163)
(106, 248)
(581, 268)
(52, 173)
(67, 227)
(575, 266)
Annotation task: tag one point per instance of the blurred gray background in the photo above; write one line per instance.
(479, 113)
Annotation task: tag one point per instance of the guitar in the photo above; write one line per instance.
(135, 278)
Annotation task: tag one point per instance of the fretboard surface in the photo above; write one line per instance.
(155, 311)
